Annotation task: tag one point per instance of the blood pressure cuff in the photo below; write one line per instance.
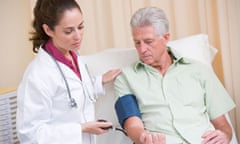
(126, 106)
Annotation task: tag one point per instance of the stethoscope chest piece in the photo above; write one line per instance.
(73, 103)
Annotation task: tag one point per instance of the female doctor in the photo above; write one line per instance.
(57, 93)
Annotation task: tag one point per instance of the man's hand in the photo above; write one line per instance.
(222, 133)
(152, 138)
(215, 137)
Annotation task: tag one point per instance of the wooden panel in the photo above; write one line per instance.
(6, 90)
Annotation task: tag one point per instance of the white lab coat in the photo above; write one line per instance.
(44, 115)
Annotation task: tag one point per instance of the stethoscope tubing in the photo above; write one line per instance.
(73, 102)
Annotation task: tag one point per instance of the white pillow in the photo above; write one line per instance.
(195, 47)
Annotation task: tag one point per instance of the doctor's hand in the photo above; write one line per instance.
(95, 127)
(110, 75)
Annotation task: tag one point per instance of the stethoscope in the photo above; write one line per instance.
(72, 101)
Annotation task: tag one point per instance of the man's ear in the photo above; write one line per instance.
(47, 30)
(167, 36)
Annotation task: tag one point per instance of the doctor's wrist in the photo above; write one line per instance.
(83, 127)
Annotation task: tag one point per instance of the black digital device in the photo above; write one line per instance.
(112, 127)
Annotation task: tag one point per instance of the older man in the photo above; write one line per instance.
(166, 98)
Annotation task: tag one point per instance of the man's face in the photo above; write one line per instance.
(149, 45)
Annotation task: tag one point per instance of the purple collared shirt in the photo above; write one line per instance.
(50, 48)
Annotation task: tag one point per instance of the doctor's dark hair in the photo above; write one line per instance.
(151, 16)
(48, 12)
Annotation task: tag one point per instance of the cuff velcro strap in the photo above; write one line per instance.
(126, 106)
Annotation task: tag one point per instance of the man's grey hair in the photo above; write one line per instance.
(151, 16)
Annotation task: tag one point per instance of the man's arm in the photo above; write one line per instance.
(223, 132)
(134, 128)
(222, 124)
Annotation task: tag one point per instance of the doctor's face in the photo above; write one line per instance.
(67, 34)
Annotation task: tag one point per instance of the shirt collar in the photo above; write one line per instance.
(50, 48)
(177, 59)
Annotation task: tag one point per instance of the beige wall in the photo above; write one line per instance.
(15, 49)
(105, 27)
